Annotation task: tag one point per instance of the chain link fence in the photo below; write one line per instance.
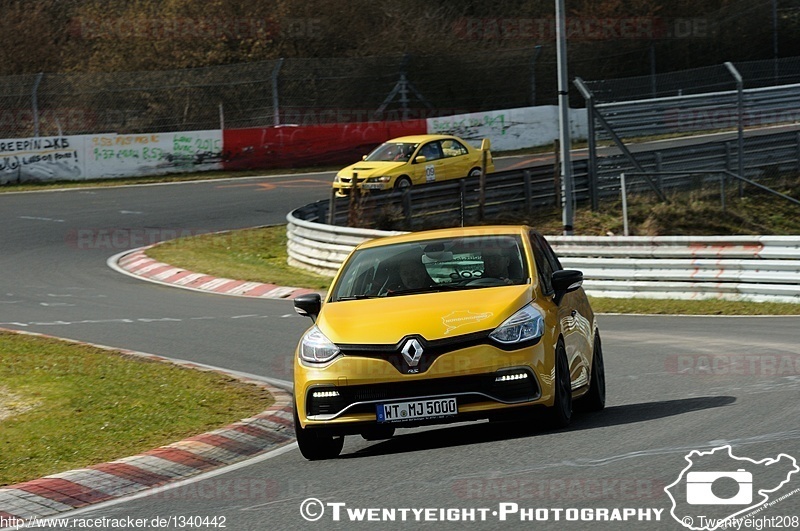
(290, 91)
(716, 78)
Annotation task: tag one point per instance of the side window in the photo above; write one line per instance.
(431, 151)
(555, 263)
(544, 266)
(453, 148)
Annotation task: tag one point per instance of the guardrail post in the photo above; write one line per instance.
(406, 199)
(624, 192)
(482, 194)
(591, 171)
(659, 165)
(740, 119)
(798, 150)
(332, 208)
(462, 191)
(322, 210)
(526, 176)
(557, 172)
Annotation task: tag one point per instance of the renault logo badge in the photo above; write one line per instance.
(412, 352)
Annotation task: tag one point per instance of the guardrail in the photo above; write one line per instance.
(524, 190)
(702, 112)
(752, 268)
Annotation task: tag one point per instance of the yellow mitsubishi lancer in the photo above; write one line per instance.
(445, 326)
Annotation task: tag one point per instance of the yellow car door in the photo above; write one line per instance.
(457, 160)
(432, 168)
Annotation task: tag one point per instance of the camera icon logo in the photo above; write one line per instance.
(699, 488)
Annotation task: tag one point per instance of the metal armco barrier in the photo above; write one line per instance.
(751, 268)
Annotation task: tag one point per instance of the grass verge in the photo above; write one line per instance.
(66, 406)
(259, 255)
(256, 255)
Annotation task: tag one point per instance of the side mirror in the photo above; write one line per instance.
(420, 159)
(363, 157)
(308, 305)
(565, 281)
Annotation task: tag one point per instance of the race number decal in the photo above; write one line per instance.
(430, 173)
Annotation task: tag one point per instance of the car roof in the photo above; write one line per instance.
(483, 230)
(415, 139)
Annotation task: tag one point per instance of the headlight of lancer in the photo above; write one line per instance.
(383, 179)
(316, 348)
(525, 325)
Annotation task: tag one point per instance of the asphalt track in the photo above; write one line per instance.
(667, 394)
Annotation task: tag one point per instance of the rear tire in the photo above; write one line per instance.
(560, 413)
(316, 445)
(402, 183)
(474, 172)
(595, 398)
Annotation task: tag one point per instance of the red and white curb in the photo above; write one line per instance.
(137, 264)
(174, 462)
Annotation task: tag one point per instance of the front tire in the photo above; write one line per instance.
(316, 445)
(402, 183)
(595, 398)
(560, 413)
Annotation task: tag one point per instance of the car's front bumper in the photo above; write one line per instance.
(350, 389)
(343, 188)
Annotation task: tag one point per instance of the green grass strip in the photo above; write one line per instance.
(66, 406)
(256, 255)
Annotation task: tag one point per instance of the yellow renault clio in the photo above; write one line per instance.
(444, 326)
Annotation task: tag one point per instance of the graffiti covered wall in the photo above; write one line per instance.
(510, 129)
(41, 159)
(72, 158)
(115, 155)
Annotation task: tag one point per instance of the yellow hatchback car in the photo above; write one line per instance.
(413, 160)
(445, 326)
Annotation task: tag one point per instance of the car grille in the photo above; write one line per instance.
(468, 389)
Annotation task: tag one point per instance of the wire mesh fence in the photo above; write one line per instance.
(714, 78)
(703, 202)
(290, 91)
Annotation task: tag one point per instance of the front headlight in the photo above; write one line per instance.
(382, 179)
(337, 179)
(525, 325)
(316, 348)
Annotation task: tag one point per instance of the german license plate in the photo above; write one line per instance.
(417, 409)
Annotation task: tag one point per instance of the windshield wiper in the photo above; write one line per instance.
(429, 289)
(357, 297)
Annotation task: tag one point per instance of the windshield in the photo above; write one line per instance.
(392, 152)
(432, 265)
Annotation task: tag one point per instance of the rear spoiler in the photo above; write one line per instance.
(486, 144)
